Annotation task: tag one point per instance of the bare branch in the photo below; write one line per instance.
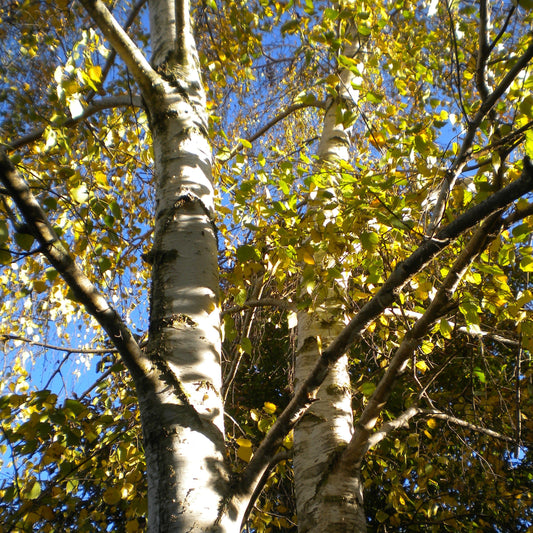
(95, 107)
(104, 376)
(403, 421)
(6, 337)
(394, 311)
(264, 302)
(354, 453)
(384, 298)
(83, 289)
(453, 173)
(483, 51)
(291, 109)
(453, 34)
(147, 78)
(503, 28)
(463, 423)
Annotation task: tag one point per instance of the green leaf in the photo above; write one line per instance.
(331, 14)
(34, 492)
(109, 221)
(521, 231)
(480, 375)
(104, 263)
(291, 26)
(529, 141)
(75, 406)
(247, 253)
(115, 209)
(374, 98)
(445, 328)
(265, 424)
(4, 232)
(246, 345)
(112, 496)
(526, 4)
(369, 240)
(526, 264)
(367, 388)
(24, 240)
(5, 257)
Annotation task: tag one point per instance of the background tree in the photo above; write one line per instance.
(431, 140)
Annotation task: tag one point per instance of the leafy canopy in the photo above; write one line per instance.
(71, 449)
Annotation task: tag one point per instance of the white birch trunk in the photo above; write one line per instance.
(183, 418)
(326, 499)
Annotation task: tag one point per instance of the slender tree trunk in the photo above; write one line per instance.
(183, 417)
(327, 500)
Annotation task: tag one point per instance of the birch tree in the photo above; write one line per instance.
(370, 187)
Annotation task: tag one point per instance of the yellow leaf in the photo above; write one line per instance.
(421, 365)
(95, 73)
(132, 526)
(377, 140)
(244, 443)
(244, 453)
(308, 258)
(34, 492)
(269, 408)
(432, 423)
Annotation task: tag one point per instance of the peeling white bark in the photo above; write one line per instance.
(327, 500)
(183, 423)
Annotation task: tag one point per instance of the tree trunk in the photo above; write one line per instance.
(183, 417)
(327, 500)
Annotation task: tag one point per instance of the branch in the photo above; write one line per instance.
(111, 58)
(356, 449)
(403, 421)
(463, 423)
(509, 141)
(280, 456)
(264, 302)
(95, 107)
(456, 57)
(503, 29)
(147, 78)
(370, 311)
(105, 375)
(453, 173)
(483, 51)
(83, 289)
(396, 312)
(291, 109)
(6, 337)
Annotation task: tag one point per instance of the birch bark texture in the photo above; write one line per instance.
(179, 395)
(183, 429)
(327, 500)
